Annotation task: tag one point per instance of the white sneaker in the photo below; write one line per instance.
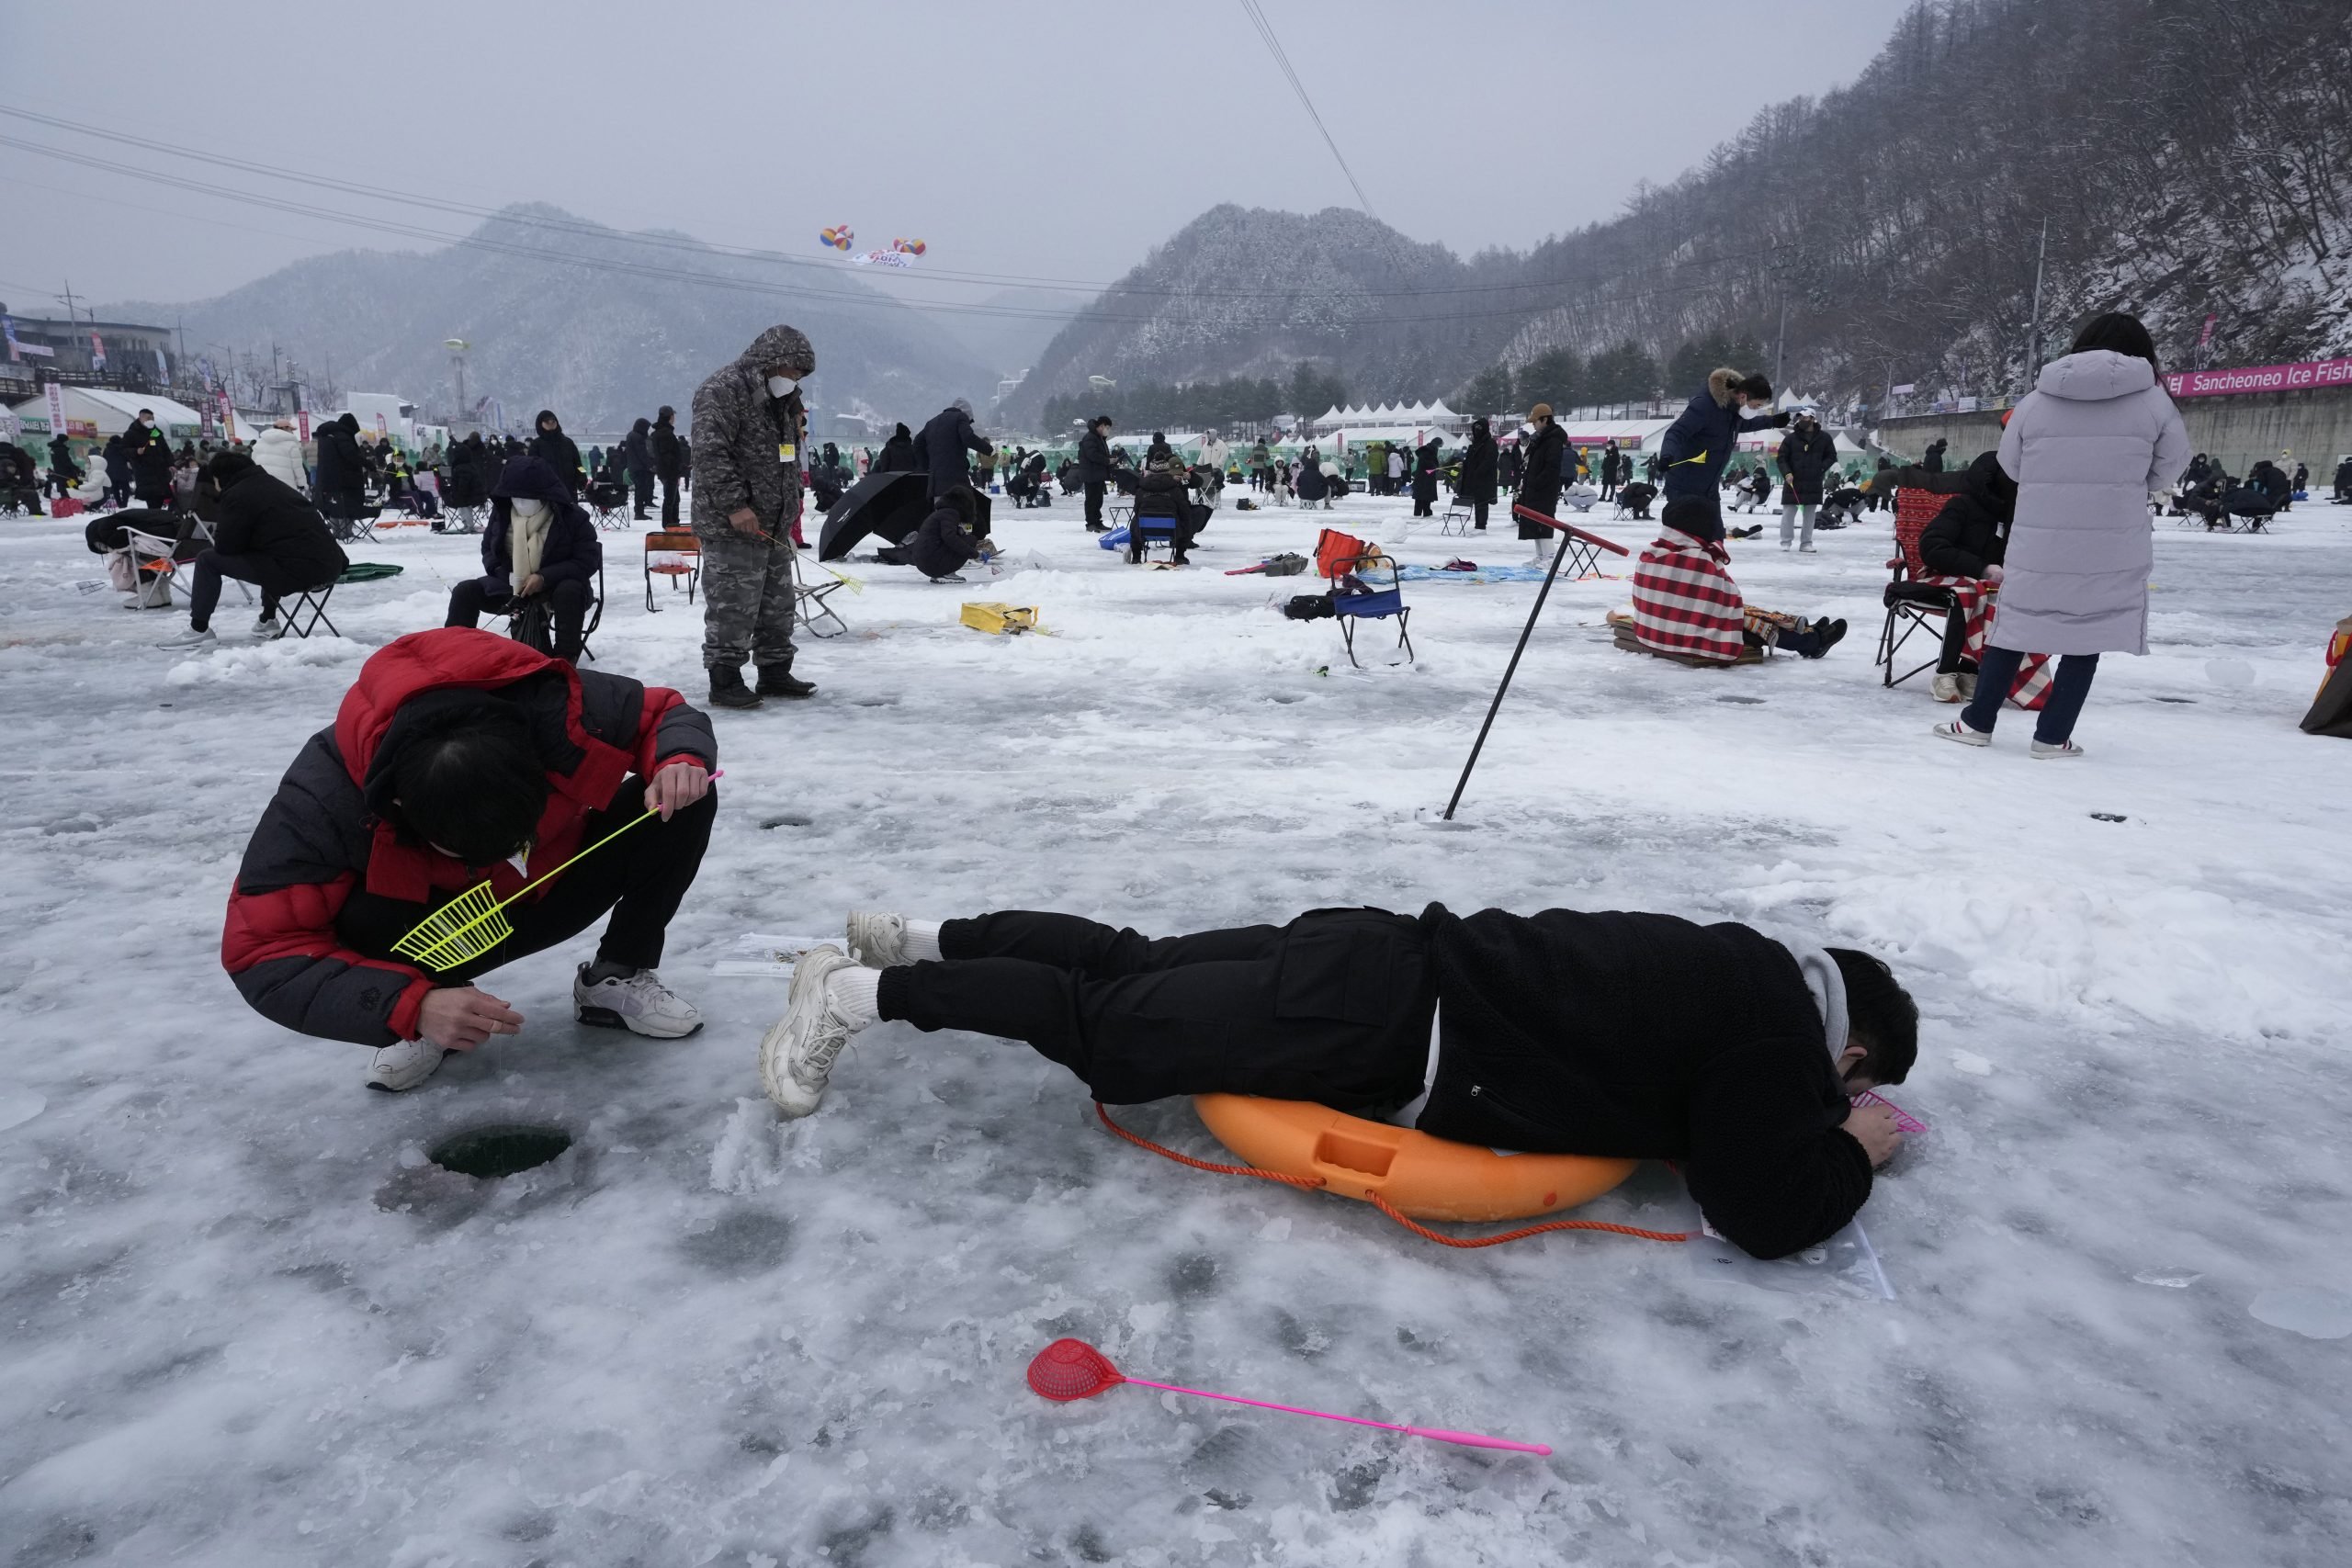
(402, 1067)
(1804, 549)
(269, 628)
(1957, 730)
(191, 640)
(1968, 685)
(1785, 543)
(877, 941)
(639, 1003)
(2043, 749)
(1947, 688)
(797, 1055)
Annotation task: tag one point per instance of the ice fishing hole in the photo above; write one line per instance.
(506, 1148)
(1752, 702)
(785, 822)
(2183, 701)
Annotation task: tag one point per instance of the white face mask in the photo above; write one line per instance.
(526, 507)
(781, 386)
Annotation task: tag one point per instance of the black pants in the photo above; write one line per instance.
(641, 878)
(1335, 1007)
(669, 504)
(264, 572)
(1094, 489)
(1186, 529)
(1478, 513)
(644, 496)
(567, 600)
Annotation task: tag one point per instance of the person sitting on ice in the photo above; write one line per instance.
(943, 541)
(539, 553)
(460, 756)
(1618, 1035)
(1686, 606)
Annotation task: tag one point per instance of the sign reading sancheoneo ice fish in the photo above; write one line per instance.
(2300, 378)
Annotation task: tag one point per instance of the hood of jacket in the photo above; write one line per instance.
(1720, 381)
(533, 478)
(545, 417)
(642, 427)
(2095, 376)
(350, 423)
(788, 347)
(448, 659)
(1986, 483)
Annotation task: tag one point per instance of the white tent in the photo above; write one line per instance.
(102, 412)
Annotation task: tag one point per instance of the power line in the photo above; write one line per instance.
(1282, 62)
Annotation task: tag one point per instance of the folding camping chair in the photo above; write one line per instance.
(1150, 533)
(1366, 587)
(816, 617)
(607, 503)
(153, 555)
(464, 517)
(673, 553)
(1910, 603)
(1456, 517)
(538, 629)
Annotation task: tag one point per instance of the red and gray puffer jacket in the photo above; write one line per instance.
(320, 839)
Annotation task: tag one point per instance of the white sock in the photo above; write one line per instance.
(921, 940)
(851, 991)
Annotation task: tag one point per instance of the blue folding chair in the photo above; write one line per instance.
(1366, 587)
(1152, 534)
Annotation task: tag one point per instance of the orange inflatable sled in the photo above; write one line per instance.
(1413, 1173)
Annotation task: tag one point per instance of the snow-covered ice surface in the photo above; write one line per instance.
(244, 1320)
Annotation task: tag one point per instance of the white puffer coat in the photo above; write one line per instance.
(2087, 446)
(278, 454)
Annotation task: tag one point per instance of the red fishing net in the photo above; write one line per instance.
(1071, 1369)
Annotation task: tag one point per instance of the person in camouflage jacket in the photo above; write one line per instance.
(748, 436)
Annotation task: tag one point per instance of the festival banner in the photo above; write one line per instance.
(98, 352)
(302, 423)
(2302, 376)
(56, 406)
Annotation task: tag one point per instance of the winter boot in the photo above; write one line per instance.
(776, 680)
(727, 691)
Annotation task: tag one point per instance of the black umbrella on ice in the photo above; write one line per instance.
(889, 506)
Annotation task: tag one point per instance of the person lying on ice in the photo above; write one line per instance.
(460, 756)
(1618, 1034)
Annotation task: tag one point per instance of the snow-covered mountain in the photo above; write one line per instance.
(2192, 158)
(566, 314)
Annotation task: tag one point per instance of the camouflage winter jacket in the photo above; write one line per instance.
(746, 444)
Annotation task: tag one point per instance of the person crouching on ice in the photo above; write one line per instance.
(460, 757)
(1616, 1034)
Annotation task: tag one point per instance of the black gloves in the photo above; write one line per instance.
(1782, 419)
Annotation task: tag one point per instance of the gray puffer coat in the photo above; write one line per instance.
(2087, 446)
(746, 449)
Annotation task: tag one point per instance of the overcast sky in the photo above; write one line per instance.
(1023, 140)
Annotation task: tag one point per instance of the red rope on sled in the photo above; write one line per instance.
(1312, 1182)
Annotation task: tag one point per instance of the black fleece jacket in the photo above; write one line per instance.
(1646, 1036)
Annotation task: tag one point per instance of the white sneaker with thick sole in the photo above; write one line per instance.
(2043, 751)
(1947, 688)
(191, 640)
(1955, 729)
(402, 1067)
(876, 940)
(1804, 549)
(639, 1003)
(269, 628)
(797, 1054)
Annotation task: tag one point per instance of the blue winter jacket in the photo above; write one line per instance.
(1699, 444)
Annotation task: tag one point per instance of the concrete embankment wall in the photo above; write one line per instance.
(2315, 427)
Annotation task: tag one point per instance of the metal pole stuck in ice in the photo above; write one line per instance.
(1559, 553)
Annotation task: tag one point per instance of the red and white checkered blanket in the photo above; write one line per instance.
(1978, 599)
(1685, 601)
